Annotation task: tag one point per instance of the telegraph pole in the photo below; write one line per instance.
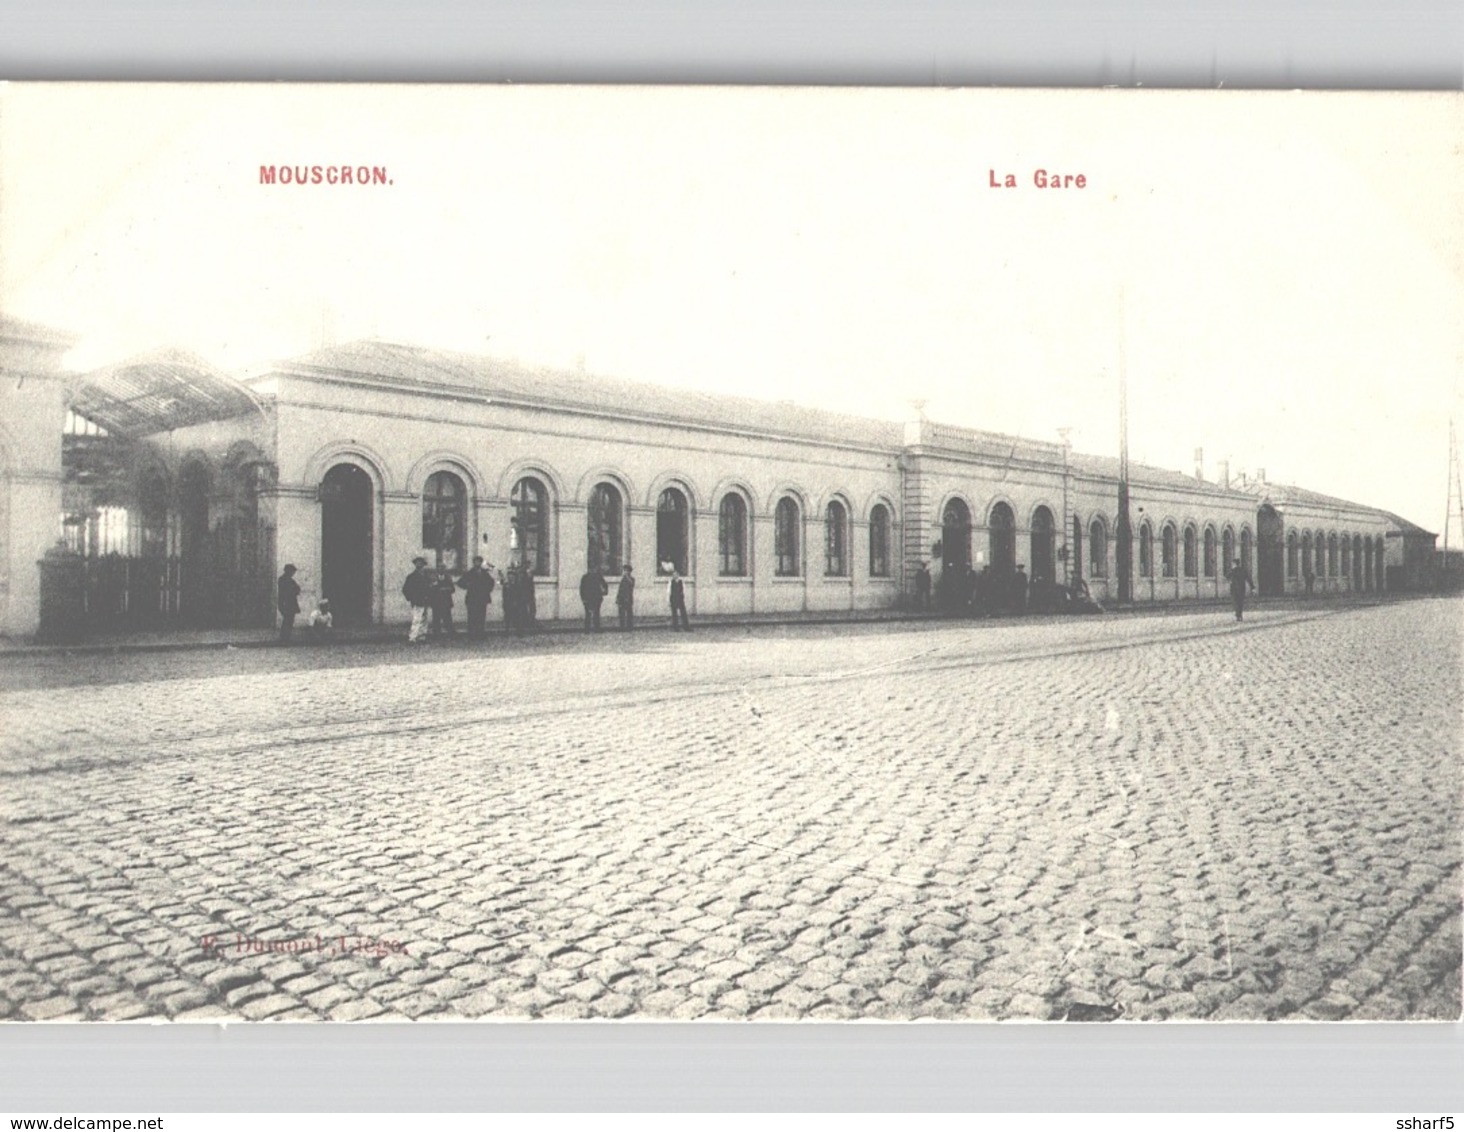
(1125, 549)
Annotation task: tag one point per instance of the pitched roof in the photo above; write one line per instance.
(1107, 467)
(402, 366)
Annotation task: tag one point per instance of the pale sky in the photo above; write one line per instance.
(1281, 274)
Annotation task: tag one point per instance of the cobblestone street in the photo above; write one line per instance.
(1161, 817)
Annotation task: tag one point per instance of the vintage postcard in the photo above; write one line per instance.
(729, 553)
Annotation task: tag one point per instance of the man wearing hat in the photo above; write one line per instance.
(418, 590)
(477, 586)
(625, 599)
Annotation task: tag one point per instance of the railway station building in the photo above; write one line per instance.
(179, 492)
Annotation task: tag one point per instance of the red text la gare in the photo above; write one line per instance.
(1041, 178)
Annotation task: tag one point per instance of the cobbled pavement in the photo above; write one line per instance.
(1117, 818)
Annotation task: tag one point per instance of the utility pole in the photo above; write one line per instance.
(1125, 549)
(1067, 522)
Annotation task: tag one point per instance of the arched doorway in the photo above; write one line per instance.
(1003, 540)
(197, 599)
(1043, 541)
(1367, 564)
(346, 551)
(1270, 551)
(955, 538)
(955, 555)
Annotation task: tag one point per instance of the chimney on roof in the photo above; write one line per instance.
(1199, 463)
(1260, 475)
(1224, 473)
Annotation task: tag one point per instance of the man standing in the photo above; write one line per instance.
(477, 586)
(289, 603)
(592, 592)
(443, 589)
(625, 599)
(677, 592)
(418, 590)
(922, 588)
(1239, 578)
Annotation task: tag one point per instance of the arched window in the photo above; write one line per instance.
(836, 540)
(1291, 555)
(1319, 554)
(1097, 549)
(672, 532)
(1306, 554)
(1043, 546)
(1167, 551)
(786, 540)
(1227, 551)
(1191, 559)
(1209, 552)
(732, 536)
(605, 530)
(444, 520)
(1332, 555)
(1146, 550)
(879, 541)
(529, 531)
(1245, 548)
(1002, 525)
(955, 537)
(1346, 556)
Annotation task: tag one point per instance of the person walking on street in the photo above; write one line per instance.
(289, 603)
(676, 591)
(417, 589)
(1239, 578)
(592, 592)
(625, 599)
(477, 586)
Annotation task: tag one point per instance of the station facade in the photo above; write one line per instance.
(185, 491)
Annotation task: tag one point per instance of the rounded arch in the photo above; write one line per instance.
(876, 499)
(1042, 504)
(796, 493)
(446, 461)
(836, 495)
(681, 482)
(197, 458)
(537, 469)
(368, 460)
(738, 487)
(994, 509)
(605, 473)
(243, 452)
(954, 506)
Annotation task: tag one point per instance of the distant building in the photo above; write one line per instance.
(185, 490)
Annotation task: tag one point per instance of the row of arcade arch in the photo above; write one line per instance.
(1275, 557)
(540, 541)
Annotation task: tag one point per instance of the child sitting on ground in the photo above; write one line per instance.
(320, 620)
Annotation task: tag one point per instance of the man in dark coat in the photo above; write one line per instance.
(922, 588)
(592, 592)
(289, 603)
(1239, 578)
(443, 590)
(477, 586)
(677, 592)
(625, 599)
(1019, 590)
(417, 589)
